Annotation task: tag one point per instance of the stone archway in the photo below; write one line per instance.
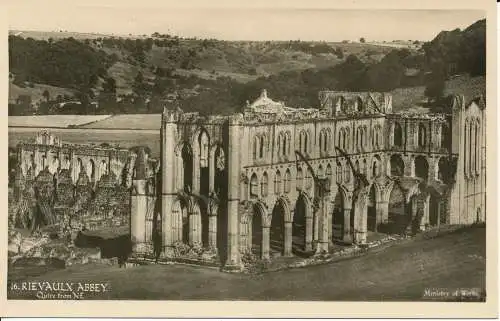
(302, 228)
(187, 162)
(421, 167)
(397, 218)
(257, 226)
(277, 232)
(338, 216)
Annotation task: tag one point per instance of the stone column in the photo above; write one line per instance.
(169, 192)
(266, 239)
(195, 228)
(323, 241)
(360, 217)
(287, 251)
(233, 200)
(346, 231)
(138, 209)
(382, 210)
(212, 231)
(425, 217)
(309, 233)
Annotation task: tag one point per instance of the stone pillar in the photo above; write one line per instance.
(212, 231)
(425, 217)
(309, 233)
(168, 169)
(287, 251)
(360, 221)
(347, 234)
(194, 228)
(323, 241)
(382, 210)
(266, 239)
(233, 174)
(138, 210)
(315, 225)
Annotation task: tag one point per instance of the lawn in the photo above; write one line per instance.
(399, 273)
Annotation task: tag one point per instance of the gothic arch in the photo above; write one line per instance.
(397, 165)
(421, 166)
(264, 185)
(359, 104)
(398, 134)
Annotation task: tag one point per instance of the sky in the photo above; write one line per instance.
(237, 23)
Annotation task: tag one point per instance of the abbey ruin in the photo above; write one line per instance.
(273, 180)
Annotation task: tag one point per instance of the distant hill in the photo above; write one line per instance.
(140, 74)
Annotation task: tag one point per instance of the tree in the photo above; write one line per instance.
(362, 40)
(46, 95)
(435, 84)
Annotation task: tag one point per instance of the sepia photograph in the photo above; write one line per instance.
(239, 153)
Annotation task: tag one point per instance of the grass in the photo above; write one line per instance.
(398, 273)
(36, 92)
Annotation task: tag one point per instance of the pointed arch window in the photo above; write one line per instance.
(422, 135)
(339, 172)
(261, 147)
(398, 135)
(300, 178)
(254, 186)
(204, 146)
(277, 183)
(309, 179)
(288, 181)
(264, 185)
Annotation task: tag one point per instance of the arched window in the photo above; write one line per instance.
(285, 143)
(356, 165)
(256, 147)
(359, 104)
(320, 171)
(466, 148)
(321, 140)
(306, 142)
(300, 178)
(422, 133)
(478, 147)
(261, 147)
(254, 186)
(375, 169)
(277, 183)
(397, 165)
(302, 142)
(445, 136)
(264, 187)
(329, 174)
(309, 179)
(347, 174)
(346, 140)
(204, 146)
(363, 166)
(339, 172)
(471, 152)
(340, 138)
(398, 135)
(288, 181)
(279, 144)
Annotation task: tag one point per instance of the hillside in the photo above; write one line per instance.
(106, 74)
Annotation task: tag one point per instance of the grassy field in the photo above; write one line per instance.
(399, 273)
